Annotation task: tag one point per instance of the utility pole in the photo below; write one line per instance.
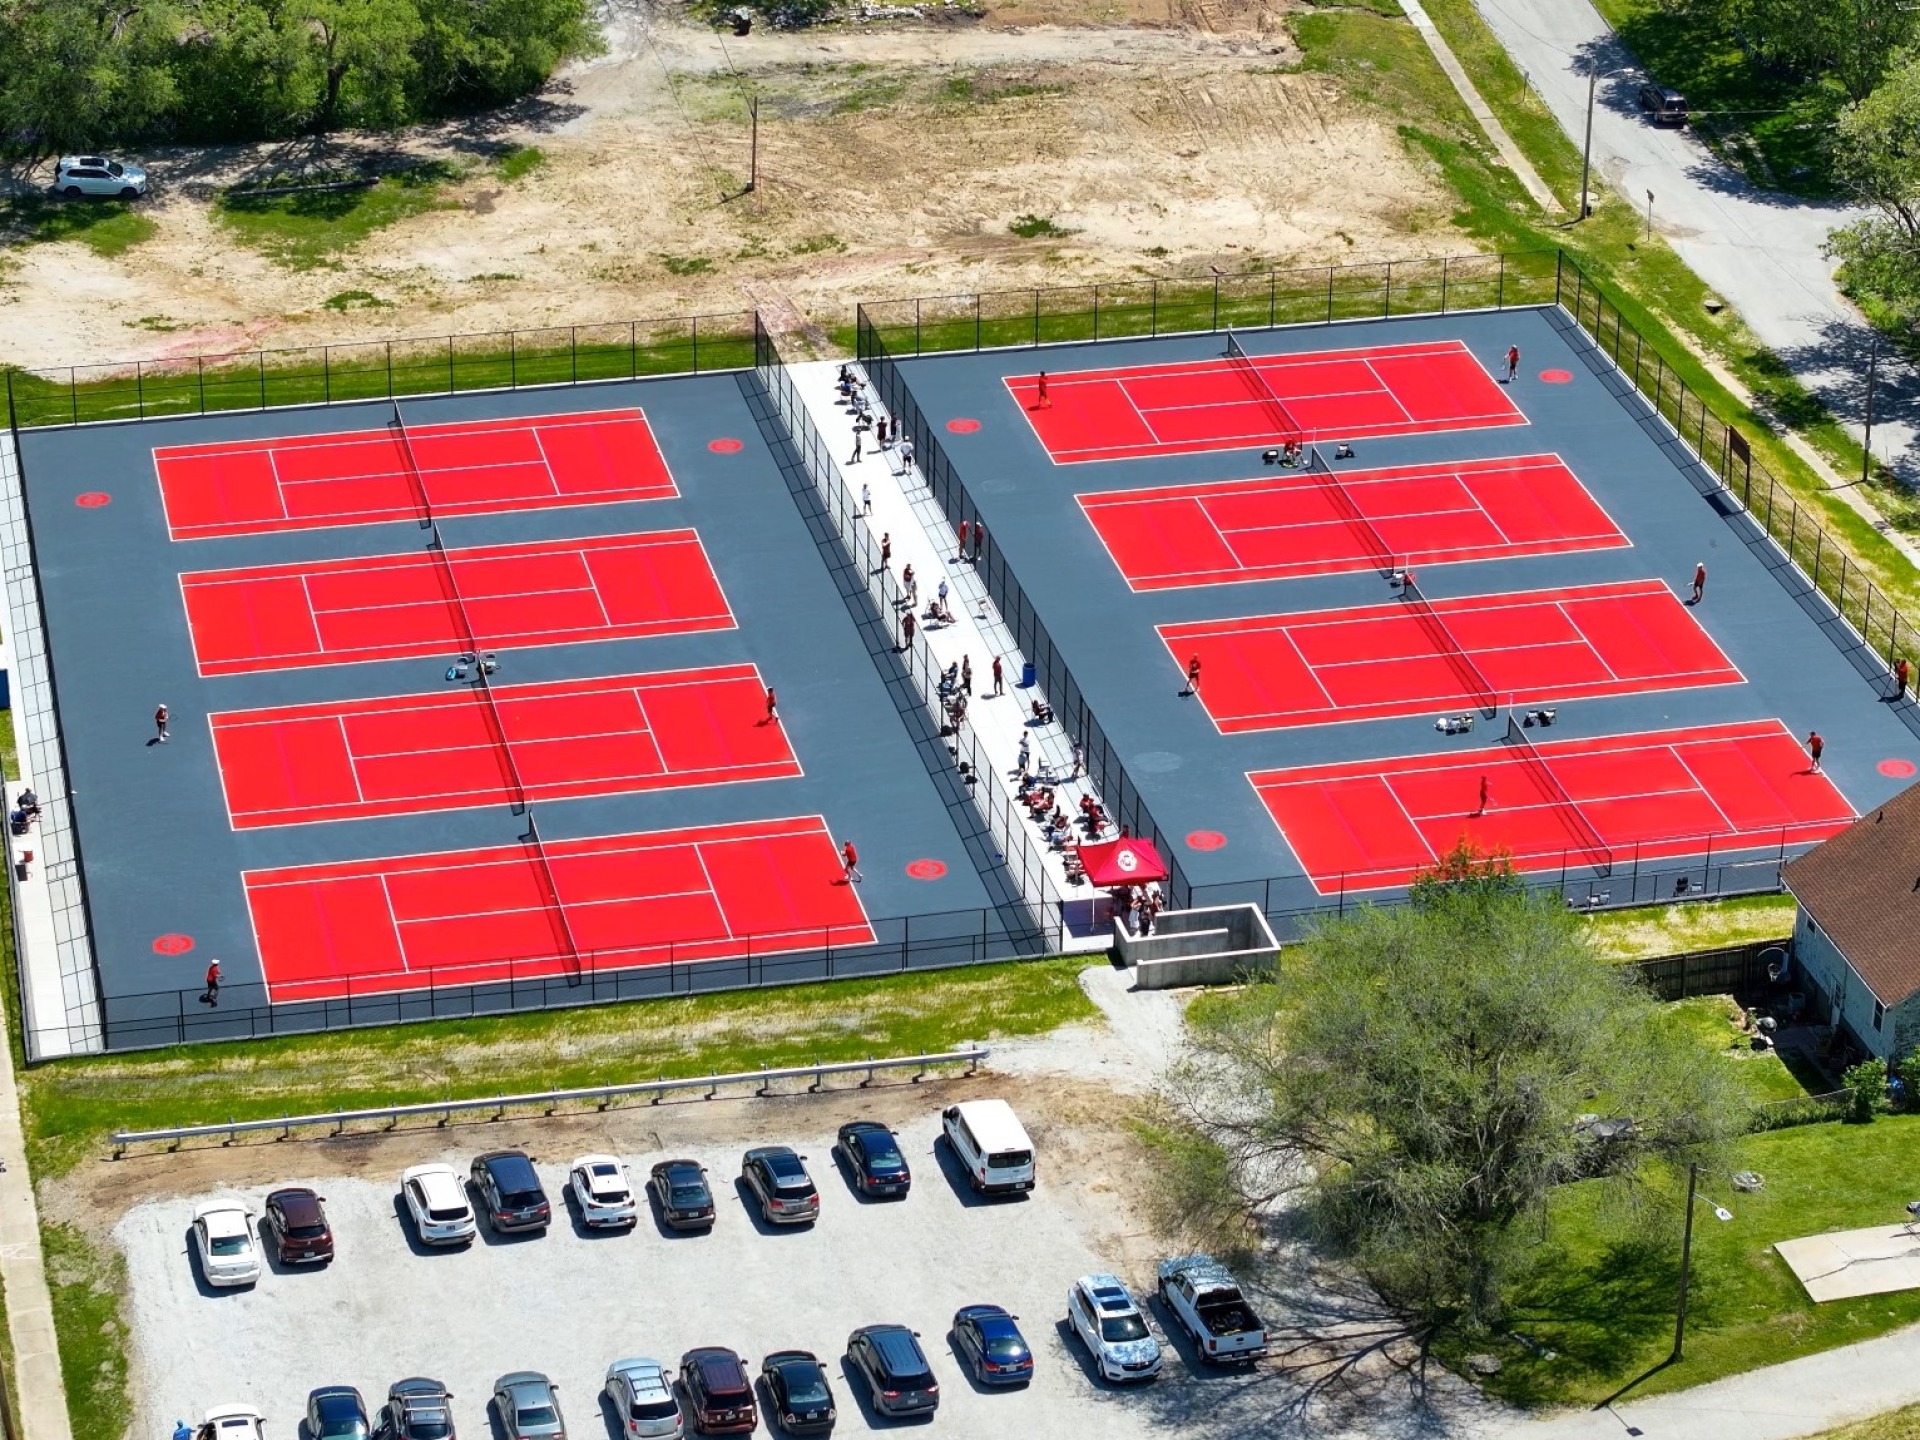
(753, 163)
(1586, 151)
(1649, 217)
(1866, 441)
(1720, 1212)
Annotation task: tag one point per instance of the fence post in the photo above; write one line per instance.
(1216, 300)
(261, 374)
(199, 380)
(140, 387)
(1096, 312)
(451, 387)
(1444, 260)
(1500, 291)
(1273, 298)
(1036, 315)
(389, 369)
(976, 320)
(1154, 312)
(1386, 299)
(513, 359)
(1329, 294)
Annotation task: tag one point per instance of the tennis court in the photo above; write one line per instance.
(484, 745)
(1220, 404)
(1325, 522)
(1405, 658)
(527, 910)
(360, 477)
(1589, 803)
(442, 601)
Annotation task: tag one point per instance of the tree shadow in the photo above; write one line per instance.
(1591, 1319)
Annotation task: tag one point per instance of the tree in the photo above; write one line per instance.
(1877, 156)
(1848, 41)
(76, 72)
(481, 52)
(1418, 1077)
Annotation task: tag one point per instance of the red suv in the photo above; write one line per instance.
(719, 1392)
(298, 1220)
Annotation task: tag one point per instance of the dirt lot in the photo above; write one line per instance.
(1154, 135)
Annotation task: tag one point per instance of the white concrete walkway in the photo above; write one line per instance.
(904, 511)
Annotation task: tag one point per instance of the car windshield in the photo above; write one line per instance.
(114, 168)
(305, 1232)
(522, 1197)
(442, 1212)
(805, 1385)
(1010, 1159)
(653, 1410)
(1122, 1327)
(429, 1425)
(537, 1415)
(229, 1245)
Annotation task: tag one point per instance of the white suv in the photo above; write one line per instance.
(1103, 1314)
(438, 1203)
(77, 175)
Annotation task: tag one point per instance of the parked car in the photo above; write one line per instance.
(991, 1145)
(1103, 1314)
(990, 1341)
(779, 1180)
(232, 1422)
(600, 1187)
(298, 1219)
(642, 1394)
(1203, 1296)
(1663, 104)
(797, 1385)
(77, 175)
(872, 1156)
(223, 1239)
(680, 1190)
(417, 1409)
(336, 1412)
(528, 1407)
(719, 1394)
(510, 1192)
(438, 1203)
(899, 1379)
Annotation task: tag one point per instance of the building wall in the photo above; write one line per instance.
(1904, 1026)
(1825, 969)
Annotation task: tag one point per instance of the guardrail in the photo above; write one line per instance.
(971, 1056)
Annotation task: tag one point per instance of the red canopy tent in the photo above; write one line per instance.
(1122, 862)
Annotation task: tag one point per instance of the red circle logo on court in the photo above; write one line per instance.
(93, 499)
(1206, 839)
(1898, 769)
(1557, 377)
(963, 426)
(172, 944)
(726, 445)
(927, 869)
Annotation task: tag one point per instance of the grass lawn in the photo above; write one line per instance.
(307, 228)
(1901, 1424)
(1699, 925)
(1714, 1020)
(71, 1106)
(107, 227)
(1772, 127)
(1603, 1299)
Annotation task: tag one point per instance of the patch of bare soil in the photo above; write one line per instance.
(1152, 137)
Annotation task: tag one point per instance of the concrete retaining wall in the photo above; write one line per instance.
(1197, 947)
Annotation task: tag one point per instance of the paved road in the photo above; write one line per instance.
(1759, 250)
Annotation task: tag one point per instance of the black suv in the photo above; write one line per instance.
(1664, 106)
(510, 1192)
(873, 1158)
(679, 1188)
(779, 1181)
(797, 1387)
(719, 1394)
(417, 1409)
(890, 1360)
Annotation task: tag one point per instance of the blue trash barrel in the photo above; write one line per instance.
(1026, 676)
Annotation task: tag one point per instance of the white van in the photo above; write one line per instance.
(988, 1140)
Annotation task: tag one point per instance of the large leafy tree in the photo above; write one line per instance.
(1419, 1075)
(1877, 156)
(74, 70)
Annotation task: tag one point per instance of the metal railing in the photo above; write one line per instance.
(972, 1056)
(379, 370)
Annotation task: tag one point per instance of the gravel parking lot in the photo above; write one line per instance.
(569, 1302)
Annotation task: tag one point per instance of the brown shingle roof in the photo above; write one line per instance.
(1863, 887)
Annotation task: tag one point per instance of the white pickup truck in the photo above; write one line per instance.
(1204, 1297)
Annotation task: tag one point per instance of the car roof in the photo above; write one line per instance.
(672, 1167)
(507, 1162)
(520, 1381)
(422, 1172)
(587, 1162)
(780, 1359)
(296, 1202)
(864, 1127)
(715, 1362)
(773, 1152)
(336, 1398)
(437, 1179)
(417, 1387)
(234, 1412)
(647, 1375)
(223, 1217)
(897, 1346)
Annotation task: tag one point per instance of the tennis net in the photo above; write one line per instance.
(1596, 849)
(1342, 499)
(1478, 686)
(413, 468)
(1257, 383)
(563, 925)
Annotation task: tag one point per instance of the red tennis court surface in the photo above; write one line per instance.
(1290, 524)
(1269, 672)
(476, 916)
(1197, 405)
(387, 607)
(408, 753)
(1371, 823)
(469, 467)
